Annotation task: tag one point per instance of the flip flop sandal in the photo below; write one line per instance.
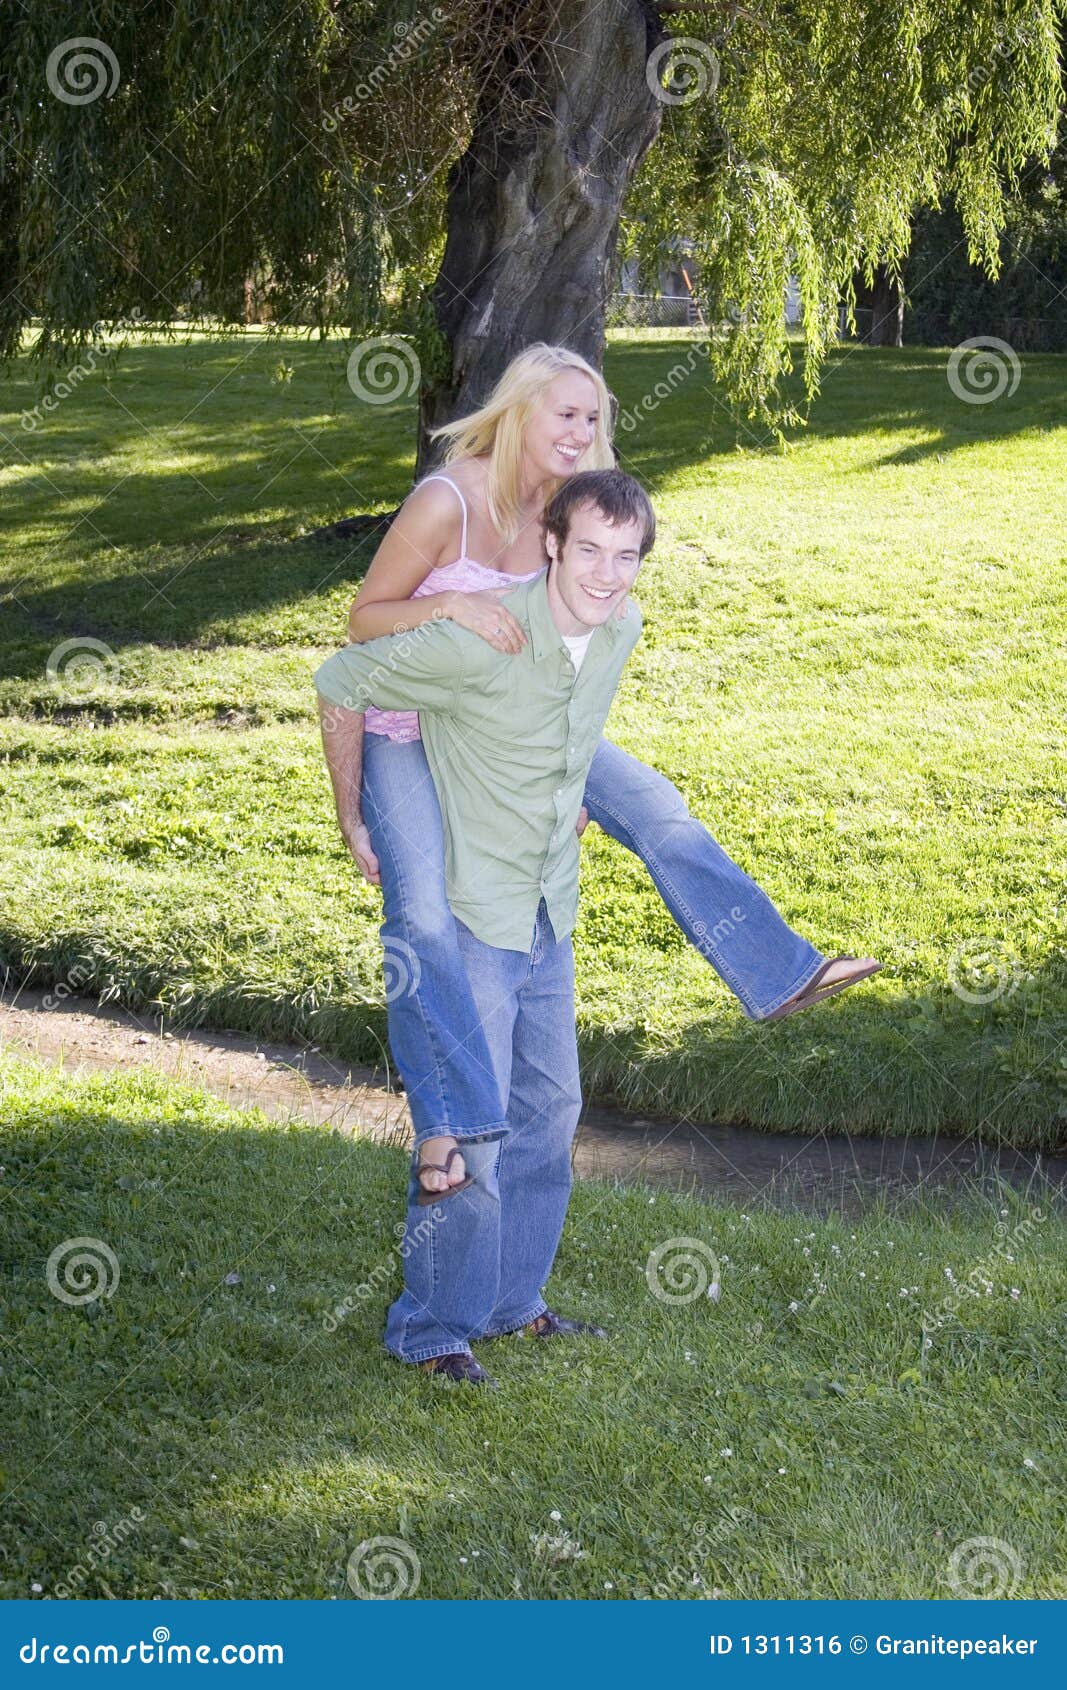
(813, 994)
(426, 1198)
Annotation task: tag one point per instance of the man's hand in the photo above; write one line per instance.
(583, 821)
(358, 841)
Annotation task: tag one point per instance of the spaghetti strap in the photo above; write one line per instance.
(463, 503)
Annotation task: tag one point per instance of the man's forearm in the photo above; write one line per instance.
(342, 741)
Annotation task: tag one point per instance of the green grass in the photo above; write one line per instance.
(853, 666)
(234, 1438)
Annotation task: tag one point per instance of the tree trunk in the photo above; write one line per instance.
(887, 306)
(534, 204)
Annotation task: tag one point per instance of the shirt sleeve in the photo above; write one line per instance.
(419, 670)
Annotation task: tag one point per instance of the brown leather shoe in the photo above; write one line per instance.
(461, 1369)
(553, 1325)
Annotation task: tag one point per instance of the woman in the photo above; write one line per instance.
(462, 539)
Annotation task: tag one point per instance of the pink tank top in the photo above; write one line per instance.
(462, 576)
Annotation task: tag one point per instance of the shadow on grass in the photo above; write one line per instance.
(208, 539)
(215, 1381)
(210, 1366)
(921, 1062)
(169, 601)
(864, 391)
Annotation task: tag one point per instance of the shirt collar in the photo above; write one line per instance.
(545, 637)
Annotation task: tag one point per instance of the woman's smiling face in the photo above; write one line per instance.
(562, 427)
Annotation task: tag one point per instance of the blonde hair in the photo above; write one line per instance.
(496, 430)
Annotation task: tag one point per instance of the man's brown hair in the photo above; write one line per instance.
(616, 495)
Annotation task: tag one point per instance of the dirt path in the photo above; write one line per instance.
(751, 1167)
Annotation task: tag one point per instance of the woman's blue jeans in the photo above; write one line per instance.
(437, 1043)
(475, 1262)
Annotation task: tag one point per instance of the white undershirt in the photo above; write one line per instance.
(577, 645)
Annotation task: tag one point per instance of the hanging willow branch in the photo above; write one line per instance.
(310, 147)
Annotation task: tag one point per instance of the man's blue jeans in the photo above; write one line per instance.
(475, 1262)
(435, 1039)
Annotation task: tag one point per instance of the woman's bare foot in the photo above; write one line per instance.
(436, 1150)
(846, 968)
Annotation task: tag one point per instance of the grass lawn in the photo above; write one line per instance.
(207, 1426)
(853, 666)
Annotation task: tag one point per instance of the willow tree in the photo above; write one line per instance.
(459, 174)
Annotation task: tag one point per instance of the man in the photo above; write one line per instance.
(509, 739)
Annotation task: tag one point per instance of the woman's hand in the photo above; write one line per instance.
(485, 616)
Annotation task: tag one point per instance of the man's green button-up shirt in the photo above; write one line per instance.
(509, 740)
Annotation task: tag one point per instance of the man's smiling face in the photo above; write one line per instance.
(593, 570)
